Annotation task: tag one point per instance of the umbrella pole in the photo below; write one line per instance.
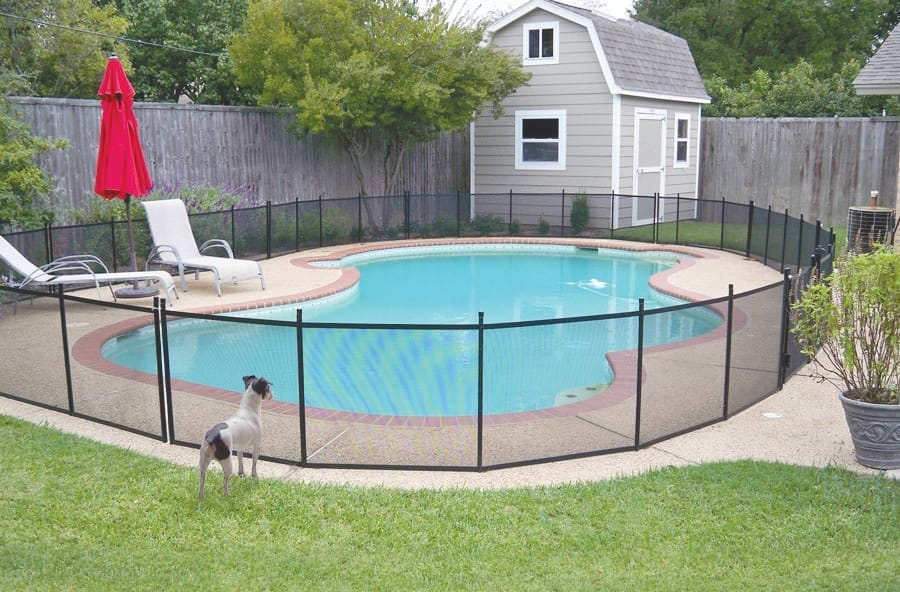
(135, 291)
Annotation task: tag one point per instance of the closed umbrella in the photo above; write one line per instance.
(121, 168)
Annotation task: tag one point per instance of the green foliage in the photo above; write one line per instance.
(770, 59)
(580, 214)
(543, 226)
(162, 75)
(373, 74)
(61, 61)
(849, 325)
(796, 92)
(336, 226)
(197, 199)
(24, 188)
(488, 224)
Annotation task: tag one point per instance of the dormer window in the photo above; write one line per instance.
(540, 43)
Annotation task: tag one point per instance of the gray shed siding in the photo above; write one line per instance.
(575, 85)
(681, 180)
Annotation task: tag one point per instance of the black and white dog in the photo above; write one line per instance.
(242, 432)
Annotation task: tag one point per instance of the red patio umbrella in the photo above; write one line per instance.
(121, 168)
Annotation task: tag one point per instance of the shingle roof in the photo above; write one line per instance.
(645, 59)
(881, 76)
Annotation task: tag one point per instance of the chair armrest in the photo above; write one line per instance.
(156, 251)
(72, 262)
(217, 243)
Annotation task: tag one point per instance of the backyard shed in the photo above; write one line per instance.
(611, 106)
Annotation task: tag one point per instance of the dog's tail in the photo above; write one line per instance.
(214, 439)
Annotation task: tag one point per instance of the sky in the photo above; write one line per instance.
(497, 8)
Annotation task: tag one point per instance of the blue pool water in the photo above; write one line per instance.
(434, 371)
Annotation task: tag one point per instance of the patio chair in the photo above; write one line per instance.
(74, 270)
(174, 246)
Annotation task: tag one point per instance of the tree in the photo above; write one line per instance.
(24, 187)
(371, 73)
(780, 58)
(734, 39)
(204, 74)
(45, 44)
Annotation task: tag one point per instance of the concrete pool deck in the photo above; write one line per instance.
(802, 424)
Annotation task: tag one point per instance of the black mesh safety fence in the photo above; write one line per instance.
(32, 322)
(755, 359)
(460, 397)
(550, 391)
(390, 396)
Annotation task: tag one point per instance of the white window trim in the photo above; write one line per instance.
(560, 164)
(526, 28)
(682, 164)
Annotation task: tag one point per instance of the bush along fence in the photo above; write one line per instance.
(659, 391)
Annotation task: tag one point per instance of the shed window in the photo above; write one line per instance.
(541, 140)
(682, 136)
(541, 43)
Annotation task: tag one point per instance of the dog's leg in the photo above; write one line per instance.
(240, 455)
(204, 464)
(255, 458)
(226, 472)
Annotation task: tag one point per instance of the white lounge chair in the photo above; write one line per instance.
(174, 246)
(74, 270)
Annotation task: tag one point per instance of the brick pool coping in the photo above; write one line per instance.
(87, 349)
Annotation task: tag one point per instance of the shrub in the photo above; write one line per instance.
(849, 326)
(580, 214)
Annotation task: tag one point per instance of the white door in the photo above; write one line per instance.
(649, 163)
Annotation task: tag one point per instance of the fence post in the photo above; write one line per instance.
(749, 228)
(268, 229)
(65, 343)
(480, 436)
(296, 223)
(639, 372)
(48, 241)
(800, 245)
(613, 214)
(722, 227)
(112, 233)
(784, 359)
(301, 388)
(359, 230)
(509, 224)
(406, 213)
(166, 372)
(458, 222)
(768, 230)
(166, 413)
(233, 233)
(677, 214)
(728, 340)
(321, 236)
(656, 216)
(784, 238)
(562, 215)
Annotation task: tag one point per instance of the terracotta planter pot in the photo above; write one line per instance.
(875, 430)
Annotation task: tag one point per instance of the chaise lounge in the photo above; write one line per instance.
(174, 246)
(74, 270)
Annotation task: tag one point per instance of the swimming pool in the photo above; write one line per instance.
(432, 369)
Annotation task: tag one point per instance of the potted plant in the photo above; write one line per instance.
(849, 326)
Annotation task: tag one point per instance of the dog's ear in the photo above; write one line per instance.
(260, 386)
(248, 380)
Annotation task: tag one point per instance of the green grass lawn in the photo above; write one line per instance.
(79, 515)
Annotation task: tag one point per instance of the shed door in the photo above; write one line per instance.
(650, 163)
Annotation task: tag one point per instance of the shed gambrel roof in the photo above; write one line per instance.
(637, 59)
(881, 76)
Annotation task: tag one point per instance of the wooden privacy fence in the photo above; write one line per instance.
(818, 167)
(238, 147)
